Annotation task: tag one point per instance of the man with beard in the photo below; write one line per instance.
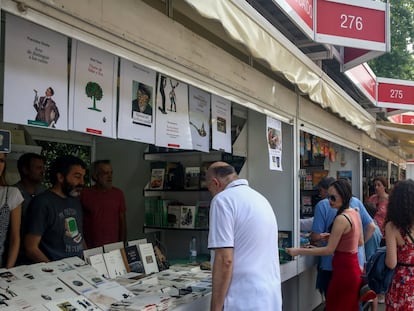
(103, 208)
(54, 217)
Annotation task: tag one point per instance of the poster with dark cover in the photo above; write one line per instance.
(134, 261)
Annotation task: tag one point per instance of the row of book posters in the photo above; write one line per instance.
(153, 108)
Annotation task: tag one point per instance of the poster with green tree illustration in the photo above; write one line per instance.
(94, 91)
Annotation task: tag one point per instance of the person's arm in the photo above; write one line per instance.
(368, 223)
(222, 273)
(339, 226)
(33, 252)
(369, 231)
(122, 227)
(318, 235)
(57, 114)
(14, 239)
(391, 241)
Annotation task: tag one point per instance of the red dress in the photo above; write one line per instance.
(400, 295)
(343, 290)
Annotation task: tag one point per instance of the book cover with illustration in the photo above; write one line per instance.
(157, 179)
(192, 177)
(187, 216)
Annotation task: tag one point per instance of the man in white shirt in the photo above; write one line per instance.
(243, 238)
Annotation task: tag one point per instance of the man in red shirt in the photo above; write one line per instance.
(103, 208)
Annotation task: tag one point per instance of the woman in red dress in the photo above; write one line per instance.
(380, 199)
(399, 236)
(344, 239)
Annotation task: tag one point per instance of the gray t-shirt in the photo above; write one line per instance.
(59, 221)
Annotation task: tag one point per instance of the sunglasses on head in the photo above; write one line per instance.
(332, 198)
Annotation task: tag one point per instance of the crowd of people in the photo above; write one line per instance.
(41, 225)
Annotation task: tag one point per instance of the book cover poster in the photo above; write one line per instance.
(136, 119)
(146, 252)
(199, 111)
(192, 177)
(274, 143)
(134, 261)
(172, 121)
(92, 93)
(187, 217)
(221, 123)
(157, 179)
(35, 75)
(174, 216)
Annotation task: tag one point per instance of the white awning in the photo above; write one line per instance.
(245, 25)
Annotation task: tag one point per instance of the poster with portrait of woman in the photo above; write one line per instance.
(35, 75)
(136, 119)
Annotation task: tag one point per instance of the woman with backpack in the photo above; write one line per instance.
(344, 238)
(399, 236)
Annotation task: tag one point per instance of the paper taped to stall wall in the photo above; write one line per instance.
(135, 125)
(35, 59)
(92, 91)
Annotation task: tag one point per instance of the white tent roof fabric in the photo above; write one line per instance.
(263, 41)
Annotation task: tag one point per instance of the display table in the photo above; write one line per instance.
(71, 284)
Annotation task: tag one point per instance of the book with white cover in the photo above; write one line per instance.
(115, 263)
(77, 303)
(45, 270)
(75, 282)
(98, 263)
(37, 292)
(112, 246)
(92, 251)
(75, 262)
(146, 252)
(160, 300)
(60, 266)
(22, 272)
(92, 277)
(137, 242)
(108, 293)
(8, 276)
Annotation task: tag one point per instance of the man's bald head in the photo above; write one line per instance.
(219, 175)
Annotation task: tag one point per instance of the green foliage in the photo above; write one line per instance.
(94, 91)
(399, 63)
(52, 150)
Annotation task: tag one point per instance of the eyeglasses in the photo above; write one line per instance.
(332, 198)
